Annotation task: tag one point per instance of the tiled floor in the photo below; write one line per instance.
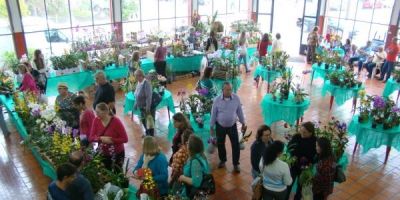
(368, 178)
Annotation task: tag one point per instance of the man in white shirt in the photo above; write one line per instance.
(376, 60)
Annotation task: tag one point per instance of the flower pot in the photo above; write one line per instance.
(386, 126)
(362, 119)
(398, 80)
(319, 64)
(373, 125)
(326, 66)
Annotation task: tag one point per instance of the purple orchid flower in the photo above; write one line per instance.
(379, 102)
(395, 109)
(75, 132)
(203, 91)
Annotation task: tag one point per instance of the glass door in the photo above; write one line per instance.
(309, 21)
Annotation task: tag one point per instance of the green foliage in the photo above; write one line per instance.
(129, 8)
(3, 8)
(306, 177)
(10, 60)
(82, 11)
(66, 61)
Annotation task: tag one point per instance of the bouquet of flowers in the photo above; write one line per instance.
(365, 106)
(148, 185)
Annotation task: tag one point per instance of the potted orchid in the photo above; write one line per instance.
(378, 111)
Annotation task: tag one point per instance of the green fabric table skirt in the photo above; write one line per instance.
(288, 111)
(266, 74)
(321, 72)
(203, 133)
(219, 84)
(390, 87)
(177, 64)
(167, 101)
(341, 94)
(369, 137)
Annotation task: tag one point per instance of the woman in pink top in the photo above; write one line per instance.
(86, 118)
(159, 59)
(110, 133)
(28, 83)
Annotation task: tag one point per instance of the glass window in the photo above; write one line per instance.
(348, 9)
(265, 23)
(220, 7)
(244, 5)
(167, 8)
(34, 17)
(130, 10)
(58, 14)
(364, 10)
(101, 11)
(39, 40)
(5, 27)
(311, 8)
(150, 26)
(149, 9)
(182, 7)
(7, 45)
(345, 29)
(383, 11)
(205, 7)
(82, 33)
(81, 13)
(182, 22)
(102, 32)
(378, 32)
(128, 28)
(167, 26)
(60, 40)
(265, 6)
(233, 6)
(333, 8)
(361, 30)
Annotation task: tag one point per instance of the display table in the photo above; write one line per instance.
(390, 87)
(203, 133)
(341, 94)
(177, 64)
(167, 101)
(369, 137)
(219, 84)
(267, 75)
(321, 72)
(288, 111)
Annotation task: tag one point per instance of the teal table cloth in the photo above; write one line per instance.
(219, 84)
(167, 101)
(390, 87)
(339, 51)
(265, 74)
(288, 111)
(203, 133)
(369, 137)
(321, 72)
(341, 94)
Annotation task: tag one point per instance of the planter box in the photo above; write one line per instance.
(59, 72)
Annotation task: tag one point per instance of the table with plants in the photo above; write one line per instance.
(285, 102)
(326, 63)
(225, 69)
(376, 124)
(51, 142)
(197, 109)
(271, 67)
(392, 85)
(342, 86)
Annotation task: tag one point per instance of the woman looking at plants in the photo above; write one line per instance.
(28, 83)
(39, 65)
(195, 167)
(159, 59)
(212, 43)
(85, 119)
(110, 133)
(262, 46)
(181, 124)
(179, 160)
(302, 148)
(263, 139)
(65, 106)
(243, 50)
(325, 176)
(136, 63)
(156, 161)
(275, 173)
(205, 83)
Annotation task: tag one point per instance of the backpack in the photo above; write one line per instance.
(207, 185)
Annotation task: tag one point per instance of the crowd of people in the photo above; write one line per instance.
(98, 124)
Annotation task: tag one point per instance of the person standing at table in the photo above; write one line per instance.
(40, 67)
(143, 98)
(391, 57)
(263, 139)
(263, 46)
(277, 44)
(159, 59)
(66, 174)
(104, 92)
(28, 83)
(325, 171)
(86, 118)
(135, 63)
(312, 41)
(65, 106)
(225, 111)
(212, 43)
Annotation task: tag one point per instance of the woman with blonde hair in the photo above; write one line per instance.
(156, 161)
(111, 135)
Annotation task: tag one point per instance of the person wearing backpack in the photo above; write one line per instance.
(196, 172)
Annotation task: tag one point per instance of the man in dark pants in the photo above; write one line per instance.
(104, 92)
(225, 111)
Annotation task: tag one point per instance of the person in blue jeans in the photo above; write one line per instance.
(392, 53)
(362, 54)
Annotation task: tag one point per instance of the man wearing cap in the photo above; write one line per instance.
(104, 92)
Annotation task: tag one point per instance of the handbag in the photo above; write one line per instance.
(340, 177)
(258, 188)
(207, 185)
